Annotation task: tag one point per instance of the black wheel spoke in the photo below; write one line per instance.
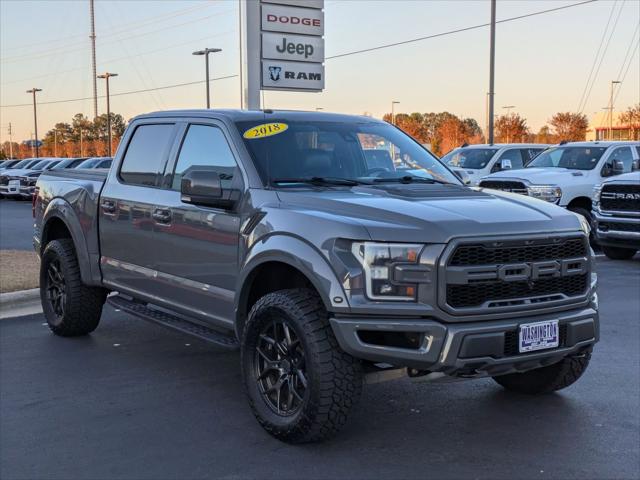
(302, 378)
(279, 367)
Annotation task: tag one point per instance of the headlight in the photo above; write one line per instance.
(379, 261)
(584, 226)
(597, 190)
(550, 193)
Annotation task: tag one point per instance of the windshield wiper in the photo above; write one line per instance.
(319, 181)
(411, 179)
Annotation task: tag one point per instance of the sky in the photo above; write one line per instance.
(542, 62)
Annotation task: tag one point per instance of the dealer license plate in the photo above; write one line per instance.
(14, 186)
(538, 336)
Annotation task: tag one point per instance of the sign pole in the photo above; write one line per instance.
(250, 11)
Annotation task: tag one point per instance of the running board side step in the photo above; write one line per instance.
(173, 322)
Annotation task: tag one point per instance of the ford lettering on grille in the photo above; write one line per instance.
(483, 276)
(518, 272)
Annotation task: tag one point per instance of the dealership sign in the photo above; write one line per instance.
(292, 75)
(302, 48)
(292, 44)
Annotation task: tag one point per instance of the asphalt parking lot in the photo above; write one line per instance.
(135, 401)
(16, 225)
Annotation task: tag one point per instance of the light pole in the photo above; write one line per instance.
(613, 83)
(492, 65)
(10, 142)
(206, 53)
(55, 142)
(508, 108)
(106, 76)
(33, 91)
(393, 111)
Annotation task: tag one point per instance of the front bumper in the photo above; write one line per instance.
(612, 236)
(472, 349)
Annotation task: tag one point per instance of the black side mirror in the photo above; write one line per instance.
(203, 187)
(618, 167)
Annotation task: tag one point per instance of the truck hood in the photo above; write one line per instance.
(541, 176)
(427, 213)
(15, 173)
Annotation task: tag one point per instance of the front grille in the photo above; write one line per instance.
(4, 180)
(484, 288)
(505, 186)
(620, 198)
(474, 295)
(619, 226)
(483, 255)
(511, 340)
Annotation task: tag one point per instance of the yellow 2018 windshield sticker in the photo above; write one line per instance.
(265, 130)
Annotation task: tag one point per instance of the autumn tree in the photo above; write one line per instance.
(631, 118)
(510, 128)
(545, 135)
(569, 127)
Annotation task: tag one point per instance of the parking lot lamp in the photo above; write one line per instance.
(393, 110)
(106, 76)
(33, 91)
(206, 53)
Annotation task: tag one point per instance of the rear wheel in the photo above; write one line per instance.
(70, 307)
(301, 385)
(619, 253)
(547, 379)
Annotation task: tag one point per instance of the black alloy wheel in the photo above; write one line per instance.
(279, 366)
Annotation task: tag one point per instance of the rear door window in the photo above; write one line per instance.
(515, 156)
(146, 155)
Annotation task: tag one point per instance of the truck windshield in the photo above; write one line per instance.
(574, 158)
(365, 152)
(474, 158)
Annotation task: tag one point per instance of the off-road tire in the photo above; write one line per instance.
(619, 253)
(334, 378)
(82, 305)
(547, 379)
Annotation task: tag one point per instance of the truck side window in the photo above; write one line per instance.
(622, 155)
(146, 154)
(205, 146)
(512, 154)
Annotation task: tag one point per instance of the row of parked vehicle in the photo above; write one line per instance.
(598, 180)
(18, 178)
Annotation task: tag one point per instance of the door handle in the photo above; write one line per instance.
(108, 206)
(161, 215)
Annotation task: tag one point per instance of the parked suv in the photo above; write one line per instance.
(616, 215)
(566, 174)
(327, 248)
(481, 160)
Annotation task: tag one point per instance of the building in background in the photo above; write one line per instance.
(621, 128)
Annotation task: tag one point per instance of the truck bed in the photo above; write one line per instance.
(73, 195)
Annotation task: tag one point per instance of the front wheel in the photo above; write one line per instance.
(301, 385)
(70, 307)
(547, 379)
(619, 253)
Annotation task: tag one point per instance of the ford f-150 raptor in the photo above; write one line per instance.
(330, 249)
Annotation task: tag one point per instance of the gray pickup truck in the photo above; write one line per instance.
(332, 250)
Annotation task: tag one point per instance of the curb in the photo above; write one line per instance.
(24, 302)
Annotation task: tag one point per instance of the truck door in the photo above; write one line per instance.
(127, 206)
(196, 247)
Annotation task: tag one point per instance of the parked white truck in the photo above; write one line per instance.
(616, 215)
(483, 159)
(566, 174)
